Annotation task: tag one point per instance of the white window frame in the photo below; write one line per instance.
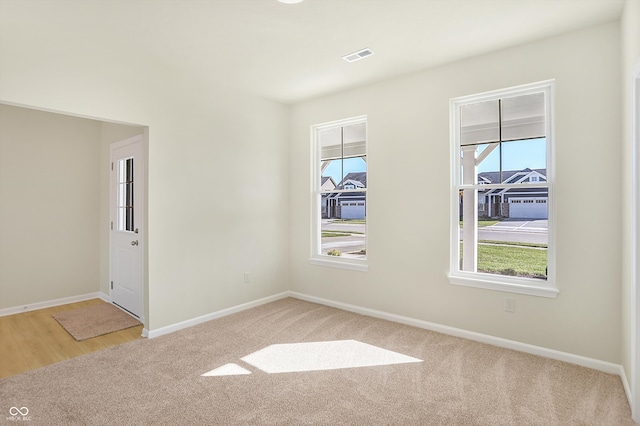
(529, 286)
(317, 258)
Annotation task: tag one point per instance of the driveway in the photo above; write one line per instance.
(347, 244)
(331, 225)
(516, 230)
(525, 225)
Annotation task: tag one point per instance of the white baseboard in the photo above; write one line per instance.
(595, 364)
(208, 317)
(55, 302)
(625, 385)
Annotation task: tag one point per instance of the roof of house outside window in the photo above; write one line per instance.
(510, 176)
(359, 177)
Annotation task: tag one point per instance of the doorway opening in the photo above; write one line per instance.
(127, 225)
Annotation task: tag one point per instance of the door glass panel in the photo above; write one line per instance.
(124, 197)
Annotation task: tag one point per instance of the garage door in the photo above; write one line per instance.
(352, 210)
(528, 208)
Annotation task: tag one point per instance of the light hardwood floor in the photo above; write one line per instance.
(34, 339)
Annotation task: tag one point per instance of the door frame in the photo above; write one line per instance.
(635, 245)
(141, 205)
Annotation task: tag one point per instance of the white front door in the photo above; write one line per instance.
(127, 227)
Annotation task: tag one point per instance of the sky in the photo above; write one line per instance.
(516, 155)
(350, 165)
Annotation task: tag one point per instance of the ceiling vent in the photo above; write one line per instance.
(356, 56)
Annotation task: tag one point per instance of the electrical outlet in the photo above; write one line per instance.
(510, 304)
(247, 277)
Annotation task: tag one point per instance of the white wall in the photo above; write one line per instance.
(229, 194)
(218, 170)
(218, 206)
(49, 206)
(630, 30)
(408, 136)
(58, 187)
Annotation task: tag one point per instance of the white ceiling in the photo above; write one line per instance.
(288, 53)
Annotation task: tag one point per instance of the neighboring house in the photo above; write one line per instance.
(346, 205)
(327, 183)
(521, 203)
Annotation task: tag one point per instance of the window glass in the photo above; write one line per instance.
(525, 154)
(342, 191)
(508, 242)
(125, 195)
(502, 189)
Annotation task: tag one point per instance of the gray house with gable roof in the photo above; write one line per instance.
(346, 205)
(521, 203)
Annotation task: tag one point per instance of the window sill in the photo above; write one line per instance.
(514, 285)
(351, 264)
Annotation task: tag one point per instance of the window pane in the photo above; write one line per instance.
(330, 143)
(343, 232)
(355, 140)
(521, 155)
(490, 155)
(331, 174)
(350, 173)
(124, 195)
(343, 151)
(479, 123)
(502, 190)
(121, 214)
(355, 173)
(343, 212)
(513, 231)
(121, 195)
(343, 183)
(512, 162)
(512, 234)
(129, 219)
(523, 117)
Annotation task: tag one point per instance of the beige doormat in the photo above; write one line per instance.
(95, 320)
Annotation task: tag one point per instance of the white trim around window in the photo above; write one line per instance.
(481, 131)
(351, 149)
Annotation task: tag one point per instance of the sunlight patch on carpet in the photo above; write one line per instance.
(230, 369)
(317, 356)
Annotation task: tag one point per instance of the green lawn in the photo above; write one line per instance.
(335, 234)
(356, 221)
(515, 261)
(512, 260)
(512, 243)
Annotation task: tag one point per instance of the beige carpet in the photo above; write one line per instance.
(95, 320)
(430, 378)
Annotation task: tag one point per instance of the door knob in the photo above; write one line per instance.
(134, 243)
